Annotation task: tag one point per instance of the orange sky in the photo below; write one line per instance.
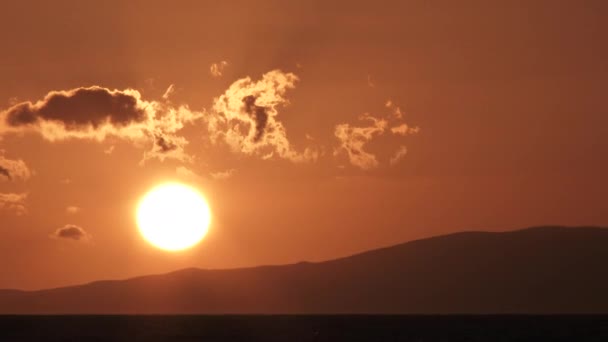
(504, 105)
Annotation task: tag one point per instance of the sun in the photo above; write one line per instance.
(173, 216)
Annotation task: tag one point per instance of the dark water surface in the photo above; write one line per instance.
(304, 328)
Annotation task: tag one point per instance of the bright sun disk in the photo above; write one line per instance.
(173, 216)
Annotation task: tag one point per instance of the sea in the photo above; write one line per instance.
(295, 328)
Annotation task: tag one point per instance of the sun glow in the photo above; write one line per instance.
(173, 216)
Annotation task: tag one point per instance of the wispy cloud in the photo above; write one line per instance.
(217, 69)
(109, 150)
(370, 82)
(223, 175)
(353, 139)
(398, 155)
(72, 209)
(14, 202)
(404, 130)
(185, 172)
(395, 110)
(170, 90)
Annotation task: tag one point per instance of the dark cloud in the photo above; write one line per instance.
(80, 107)
(72, 232)
(97, 113)
(259, 115)
(164, 144)
(4, 172)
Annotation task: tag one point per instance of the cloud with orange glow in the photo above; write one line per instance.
(217, 69)
(246, 118)
(404, 130)
(13, 169)
(96, 113)
(395, 110)
(353, 139)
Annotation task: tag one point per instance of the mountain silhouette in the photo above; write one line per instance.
(536, 270)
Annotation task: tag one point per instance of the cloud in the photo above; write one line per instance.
(185, 172)
(217, 69)
(13, 101)
(167, 147)
(81, 107)
(96, 113)
(353, 140)
(109, 150)
(13, 169)
(73, 232)
(169, 92)
(396, 111)
(223, 175)
(72, 209)
(399, 154)
(259, 115)
(246, 118)
(370, 82)
(404, 130)
(13, 202)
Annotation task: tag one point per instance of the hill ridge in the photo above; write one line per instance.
(547, 269)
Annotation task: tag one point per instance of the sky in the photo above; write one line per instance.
(314, 129)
